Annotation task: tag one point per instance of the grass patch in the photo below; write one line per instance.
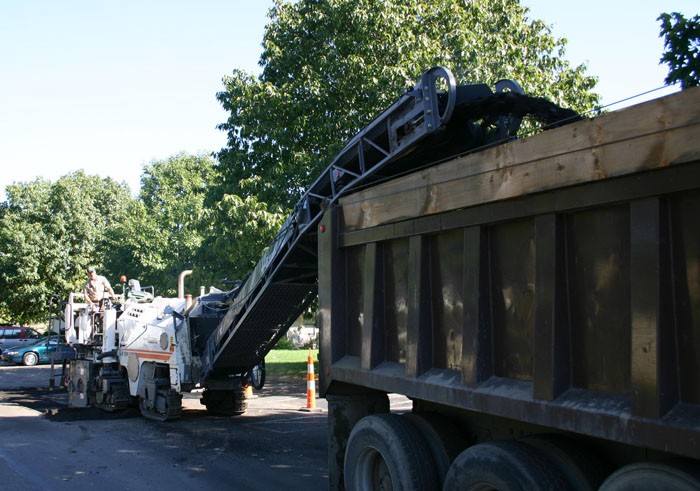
(289, 362)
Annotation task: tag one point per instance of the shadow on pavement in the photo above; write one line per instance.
(53, 403)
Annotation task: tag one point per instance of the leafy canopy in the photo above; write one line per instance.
(330, 66)
(232, 248)
(50, 234)
(682, 48)
(164, 231)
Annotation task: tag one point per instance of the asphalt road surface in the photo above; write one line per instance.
(45, 445)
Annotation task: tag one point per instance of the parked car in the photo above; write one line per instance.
(17, 336)
(41, 351)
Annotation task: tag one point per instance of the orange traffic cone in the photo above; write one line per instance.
(310, 385)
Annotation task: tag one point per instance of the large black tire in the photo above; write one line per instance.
(505, 466)
(240, 403)
(444, 439)
(225, 402)
(579, 464)
(386, 452)
(258, 375)
(30, 359)
(643, 476)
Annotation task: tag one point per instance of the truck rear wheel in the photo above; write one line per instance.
(386, 452)
(443, 438)
(582, 468)
(505, 466)
(644, 476)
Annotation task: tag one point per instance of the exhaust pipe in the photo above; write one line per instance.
(181, 283)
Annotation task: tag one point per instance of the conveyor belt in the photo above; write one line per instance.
(413, 131)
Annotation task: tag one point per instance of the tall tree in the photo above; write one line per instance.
(163, 232)
(50, 234)
(330, 66)
(135, 251)
(682, 48)
(231, 250)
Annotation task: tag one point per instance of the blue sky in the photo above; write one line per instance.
(107, 86)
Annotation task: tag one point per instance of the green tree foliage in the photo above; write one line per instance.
(50, 234)
(682, 48)
(134, 247)
(244, 228)
(330, 66)
(163, 233)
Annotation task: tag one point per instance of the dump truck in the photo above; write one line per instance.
(537, 301)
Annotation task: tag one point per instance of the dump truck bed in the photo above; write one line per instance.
(553, 281)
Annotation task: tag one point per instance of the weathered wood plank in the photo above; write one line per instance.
(611, 145)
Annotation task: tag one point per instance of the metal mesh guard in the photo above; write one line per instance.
(278, 307)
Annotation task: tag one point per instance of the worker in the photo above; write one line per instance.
(95, 288)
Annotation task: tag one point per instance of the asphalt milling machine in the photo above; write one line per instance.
(149, 350)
